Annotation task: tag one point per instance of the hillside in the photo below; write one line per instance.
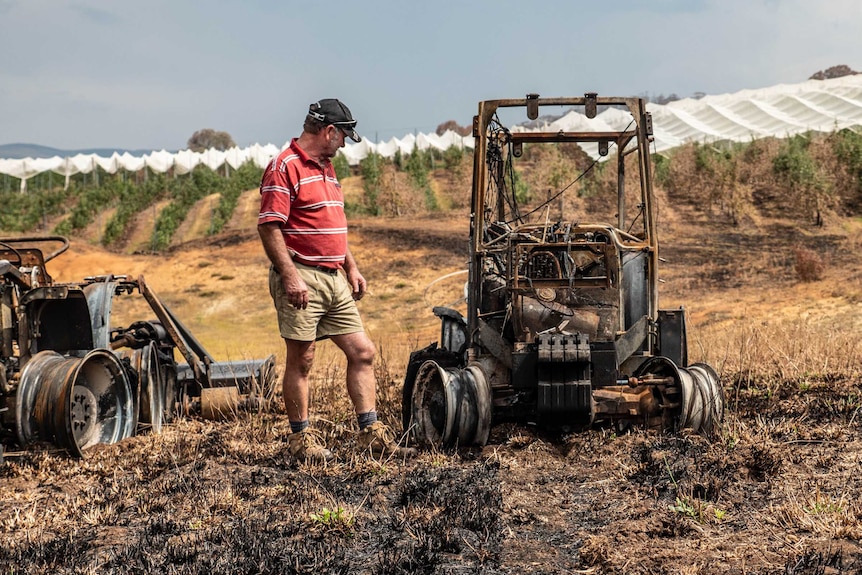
(708, 264)
(19, 151)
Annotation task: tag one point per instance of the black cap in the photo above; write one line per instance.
(331, 111)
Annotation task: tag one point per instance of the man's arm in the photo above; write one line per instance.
(276, 251)
(357, 282)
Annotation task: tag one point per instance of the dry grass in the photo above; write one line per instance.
(799, 351)
(809, 265)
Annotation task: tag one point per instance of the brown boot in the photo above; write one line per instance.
(379, 440)
(304, 445)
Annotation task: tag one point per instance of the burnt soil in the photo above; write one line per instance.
(776, 490)
(762, 498)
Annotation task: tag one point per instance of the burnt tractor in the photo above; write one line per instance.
(563, 326)
(69, 380)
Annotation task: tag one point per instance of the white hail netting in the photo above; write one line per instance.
(780, 111)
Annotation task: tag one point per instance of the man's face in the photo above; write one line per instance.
(334, 141)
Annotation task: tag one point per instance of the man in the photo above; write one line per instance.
(304, 232)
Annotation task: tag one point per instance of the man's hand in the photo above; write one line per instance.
(296, 290)
(357, 283)
(273, 244)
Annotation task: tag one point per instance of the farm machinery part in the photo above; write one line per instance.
(71, 380)
(563, 328)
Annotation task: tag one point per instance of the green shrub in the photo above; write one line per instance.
(847, 146)
(188, 190)
(184, 193)
(25, 212)
(419, 164)
(246, 177)
(133, 198)
(661, 172)
(522, 190)
(90, 202)
(793, 163)
(453, 157)
(371, 169)
(341, 166)
(810, 189)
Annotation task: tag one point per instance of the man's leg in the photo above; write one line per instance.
(301, 443)
(361, 385)
(294, 386)
(374, 437)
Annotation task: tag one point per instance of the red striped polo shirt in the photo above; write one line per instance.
(305, 198)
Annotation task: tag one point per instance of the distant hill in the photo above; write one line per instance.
(19, 151)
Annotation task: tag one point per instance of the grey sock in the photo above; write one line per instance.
(297, 426)
(366, 419)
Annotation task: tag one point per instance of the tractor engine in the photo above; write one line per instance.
(563, 328)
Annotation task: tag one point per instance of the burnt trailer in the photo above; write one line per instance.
(563, 325)
(70, 380)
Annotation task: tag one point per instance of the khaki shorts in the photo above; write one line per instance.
(331, 309)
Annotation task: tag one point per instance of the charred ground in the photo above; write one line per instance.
(777, 493)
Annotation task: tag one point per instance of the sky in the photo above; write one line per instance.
(146, 75)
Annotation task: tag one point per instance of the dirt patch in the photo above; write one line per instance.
(94, 232)
(245, 215)
(198, 221)
(139, 234)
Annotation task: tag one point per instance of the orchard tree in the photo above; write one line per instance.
(455, 127)
(838, 71)
(808, 179)
(209, 138)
